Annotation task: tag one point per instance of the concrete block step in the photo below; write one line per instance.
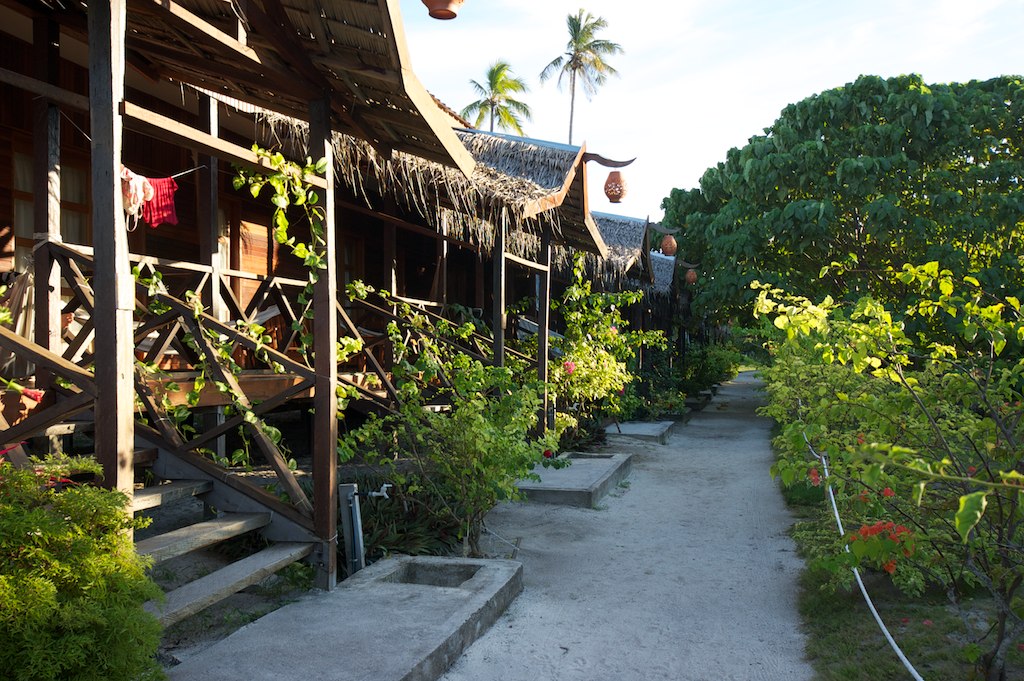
(158, 495)
(179, 542)
(189, 599)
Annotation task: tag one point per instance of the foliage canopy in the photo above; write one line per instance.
(852, 181)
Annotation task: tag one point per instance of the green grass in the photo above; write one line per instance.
(844, 642)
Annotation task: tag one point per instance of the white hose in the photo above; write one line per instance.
(856, 573)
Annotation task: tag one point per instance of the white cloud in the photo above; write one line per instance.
(698, 78)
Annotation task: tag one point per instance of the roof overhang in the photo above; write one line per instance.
(280, 55)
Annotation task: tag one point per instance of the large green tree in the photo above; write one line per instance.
(497, 100)
(858, 179)
(584, 58)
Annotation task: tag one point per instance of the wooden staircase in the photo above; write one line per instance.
(236, 515)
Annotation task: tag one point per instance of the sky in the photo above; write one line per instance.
(698, 77)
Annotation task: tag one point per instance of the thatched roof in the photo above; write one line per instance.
(525, 184)
(295, 51)
(627, 240)
(664, 267)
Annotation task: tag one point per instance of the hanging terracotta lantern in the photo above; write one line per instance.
(668, 245)
(443, 9)
(691, 276)
(615, 186)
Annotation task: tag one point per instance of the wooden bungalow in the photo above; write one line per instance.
(182, 89)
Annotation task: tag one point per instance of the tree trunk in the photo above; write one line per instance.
(492, 118)
(994, 661)
(572, 102)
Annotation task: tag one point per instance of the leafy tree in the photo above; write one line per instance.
(584, 58)
(857, 179)
(925, 439)
(497, 101)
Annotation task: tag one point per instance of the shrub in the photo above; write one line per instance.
(71, 584)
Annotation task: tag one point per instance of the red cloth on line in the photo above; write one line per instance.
(160, 209)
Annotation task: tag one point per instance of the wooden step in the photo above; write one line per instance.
(179, 542)
(205, 591)
(148, 497)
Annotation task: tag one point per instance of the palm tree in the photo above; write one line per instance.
(584, 58)
(497, 101)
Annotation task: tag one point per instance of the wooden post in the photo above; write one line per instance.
(212, 242)
(543, 323)
(498, 294)
(325, 338)
(442, 263)
(46, 194)
(113, 284)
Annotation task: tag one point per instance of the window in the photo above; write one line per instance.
(74, 203)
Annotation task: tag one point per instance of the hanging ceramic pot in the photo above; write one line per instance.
(615, 186)
(443, 9)
(691, 276)
(668, 245)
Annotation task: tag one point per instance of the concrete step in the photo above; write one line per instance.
(179, 542)
(158, 495)
(189, 599)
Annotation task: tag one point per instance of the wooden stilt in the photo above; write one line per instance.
(113, 284)
(543, 323)
(213, 243)
(498, 294)
(325, 339)
(46, 194)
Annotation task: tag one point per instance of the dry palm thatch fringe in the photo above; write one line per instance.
(510, 174)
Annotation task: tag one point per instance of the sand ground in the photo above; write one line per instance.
(684, 572)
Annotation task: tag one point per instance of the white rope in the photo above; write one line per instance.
(856, 573)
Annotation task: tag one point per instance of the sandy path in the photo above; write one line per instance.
(686, 574)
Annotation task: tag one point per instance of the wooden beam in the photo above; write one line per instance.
(192, 23)
(113, 284)
(162, 127)
(25, 349)
(529, 264)
(185, 65)
(325, 363)
(406, 225)
(51, 92)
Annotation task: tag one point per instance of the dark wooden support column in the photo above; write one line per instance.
(113, 284)
(325, 338)
(543, 323)
(498, 294)
(213, 241)
(478, 279)
(46, 193)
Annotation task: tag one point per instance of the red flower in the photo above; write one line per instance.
(33, 394)
(887, 492)
(814, 476)
(905, 620)
(860, 438)
(569, 366)
(548, 454)
(890, 566)
(926, 623)
(971, 470)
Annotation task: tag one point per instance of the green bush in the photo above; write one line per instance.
(71, 584)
